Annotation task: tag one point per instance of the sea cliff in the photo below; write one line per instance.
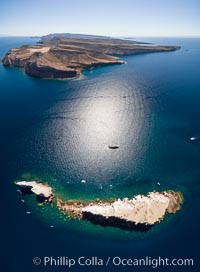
(67, 56)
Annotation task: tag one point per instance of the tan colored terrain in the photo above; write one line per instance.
(42, 49)
(143, 211)
(61, 57)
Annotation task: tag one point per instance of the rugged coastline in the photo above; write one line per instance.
(139, 213)
(66, 56)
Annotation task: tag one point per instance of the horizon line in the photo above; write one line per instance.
(115, 36)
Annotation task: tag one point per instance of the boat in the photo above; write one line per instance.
(113, 146)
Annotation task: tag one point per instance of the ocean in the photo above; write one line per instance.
(58, 131)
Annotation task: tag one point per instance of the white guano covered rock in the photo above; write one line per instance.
(37, 188)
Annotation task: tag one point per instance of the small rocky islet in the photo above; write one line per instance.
(139, 213)
(66, 56)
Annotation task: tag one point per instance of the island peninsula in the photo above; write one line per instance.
(67, 55)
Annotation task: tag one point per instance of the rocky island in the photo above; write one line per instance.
(42, 191)
(138, 213)
(67, 55)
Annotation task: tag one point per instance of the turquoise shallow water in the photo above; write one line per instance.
(59, 131)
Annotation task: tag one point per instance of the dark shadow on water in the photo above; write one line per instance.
(27, 191)
(40, 198)
(113, 221)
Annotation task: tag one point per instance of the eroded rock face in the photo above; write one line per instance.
(56, 62)
(62, 57)
(37, 70)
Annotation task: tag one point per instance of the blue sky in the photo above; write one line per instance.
(104, 17)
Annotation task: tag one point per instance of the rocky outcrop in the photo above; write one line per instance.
(139, 213)
(37, 70)
(43, 192)
(56, 61)
(62, 57)
(72, 209)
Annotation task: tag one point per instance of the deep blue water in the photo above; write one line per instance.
(59, 131)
